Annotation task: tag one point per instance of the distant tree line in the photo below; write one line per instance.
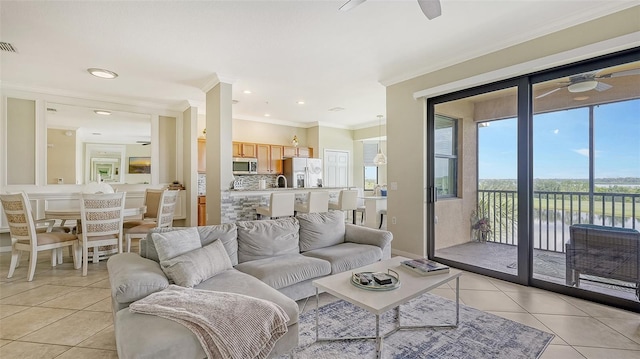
(613, 185)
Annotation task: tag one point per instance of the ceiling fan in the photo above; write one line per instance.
(589, 81)
(430, 8)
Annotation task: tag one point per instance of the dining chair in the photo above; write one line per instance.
(164, 217)
(25, 237)
(317, 202)
(101, 222)
(152, 199)
(347, 201)
(280, 205)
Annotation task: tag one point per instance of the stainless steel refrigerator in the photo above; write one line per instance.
(303, 172)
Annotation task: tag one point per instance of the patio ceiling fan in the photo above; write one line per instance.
(589, 81)
(430, 8)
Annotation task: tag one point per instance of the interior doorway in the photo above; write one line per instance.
(336, 168)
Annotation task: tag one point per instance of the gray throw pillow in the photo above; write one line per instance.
(175, 243)
(192, 268)
(319, 230)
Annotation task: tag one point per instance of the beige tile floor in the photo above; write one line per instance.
(64, 315)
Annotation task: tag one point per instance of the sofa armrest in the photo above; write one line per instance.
(133, 277)
(366, 235)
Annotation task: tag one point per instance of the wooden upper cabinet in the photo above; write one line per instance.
(202, 155)
(290, 151)
(269, 159)
(242, 149)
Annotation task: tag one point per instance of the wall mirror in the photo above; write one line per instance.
(95, 144)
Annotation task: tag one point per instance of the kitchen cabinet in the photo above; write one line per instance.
(202, 211)
(243, 149)
(269, 158)
(290, 151)
(202, 155)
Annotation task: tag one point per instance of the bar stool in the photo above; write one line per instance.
(317, 202)
(347, 201)
(382, 214)
(360, 207)
(280, 205)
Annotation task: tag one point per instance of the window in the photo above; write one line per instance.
(370, 169)
(446, 156)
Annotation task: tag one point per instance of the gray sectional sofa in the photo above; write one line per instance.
(275, 260)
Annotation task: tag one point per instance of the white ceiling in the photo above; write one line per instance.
(283, 51)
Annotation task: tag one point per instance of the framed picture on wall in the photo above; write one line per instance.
(139, 164)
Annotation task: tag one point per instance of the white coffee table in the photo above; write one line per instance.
(412, 285)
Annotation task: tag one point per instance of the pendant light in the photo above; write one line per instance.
(380, 158)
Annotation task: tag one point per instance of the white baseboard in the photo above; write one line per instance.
(404, 254)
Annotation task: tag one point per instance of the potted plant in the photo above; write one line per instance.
(482, 228)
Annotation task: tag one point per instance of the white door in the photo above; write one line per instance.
(336, 168)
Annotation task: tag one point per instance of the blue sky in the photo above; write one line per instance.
(561, 144)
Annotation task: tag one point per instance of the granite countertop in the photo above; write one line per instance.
(270, 190)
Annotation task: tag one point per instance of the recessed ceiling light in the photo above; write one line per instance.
(102, 73)
(300, 102)
(96, 133)
(234, 101)
(581, 98)
(246, 91)
(266, 115)
(336, 109)
(102, 112)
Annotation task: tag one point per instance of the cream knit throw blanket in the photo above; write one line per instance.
(228, 325)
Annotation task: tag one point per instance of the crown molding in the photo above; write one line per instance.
(92, 100)
(216, 79)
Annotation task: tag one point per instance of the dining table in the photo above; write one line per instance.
(74, 214)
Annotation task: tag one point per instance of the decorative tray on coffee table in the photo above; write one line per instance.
(372, 284)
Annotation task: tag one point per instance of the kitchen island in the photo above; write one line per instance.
(240, 205)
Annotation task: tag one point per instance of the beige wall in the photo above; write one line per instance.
(61, 156)
(21, 141)
(406, 116)
(167, 137)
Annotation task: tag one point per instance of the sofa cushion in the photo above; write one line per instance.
(174, 243)
(200, 264)
(133, 277)
(234, 281)
(319, 230)
(226, 232)
(265, 239)
(283, 271)
(347, 256)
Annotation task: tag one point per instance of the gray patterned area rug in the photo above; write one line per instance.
(478, 335)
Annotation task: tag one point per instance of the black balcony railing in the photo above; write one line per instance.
(554, 213)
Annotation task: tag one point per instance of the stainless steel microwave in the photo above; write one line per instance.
(245, 166)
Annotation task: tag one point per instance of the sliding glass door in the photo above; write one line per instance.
(586, 170)
(536, 179)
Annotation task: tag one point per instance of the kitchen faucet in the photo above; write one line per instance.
(283, 177)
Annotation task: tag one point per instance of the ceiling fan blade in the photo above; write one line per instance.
(625, 73)
(350, 5)
(430, 8)
(548, 92)
(601, 86)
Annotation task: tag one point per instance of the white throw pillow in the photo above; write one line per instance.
(192, 268)
(174, 243)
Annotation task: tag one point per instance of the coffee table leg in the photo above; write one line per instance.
(317, 300)
(378, 338)
(457, 300)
